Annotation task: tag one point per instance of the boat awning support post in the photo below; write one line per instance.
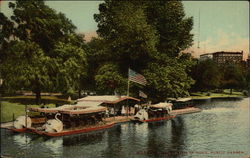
(26, 116)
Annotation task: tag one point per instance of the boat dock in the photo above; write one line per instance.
(185, 111)
(118, 119)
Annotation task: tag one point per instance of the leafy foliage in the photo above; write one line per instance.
(207, 75)
(41, 51)
(173, 28)
(148, 37)
(109, 79)
(233, 77)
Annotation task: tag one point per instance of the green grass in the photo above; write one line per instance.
(16, 105)
(31, 100)
(226, 93)
(8, 109)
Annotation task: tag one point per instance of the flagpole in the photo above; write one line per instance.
(128, 84)
(127, 92)
(128, 89)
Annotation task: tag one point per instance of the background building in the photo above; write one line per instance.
(206, 56)
(228, 57)
(224, 57)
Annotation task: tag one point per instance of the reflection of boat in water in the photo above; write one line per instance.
(89, 114)
(55, 145)
(22, 140)
(82, 139)
(156, 112)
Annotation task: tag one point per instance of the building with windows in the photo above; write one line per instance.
(228, 57)
(206, 56)
(224, 57)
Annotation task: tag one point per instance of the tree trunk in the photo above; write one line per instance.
(231, 91)
(38, 97)
(37, 91)
(79, 93)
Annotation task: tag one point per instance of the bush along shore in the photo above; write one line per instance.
(223, 94)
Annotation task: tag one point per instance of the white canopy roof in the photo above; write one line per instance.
(101, 98)
(161, 105)
(88, 103)
(180, 99)
(106, 99)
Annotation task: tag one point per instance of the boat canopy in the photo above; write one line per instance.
(80, 108)
(50, 110)
(83, 110)
(88, 103)
(180, 99)
(161, 105)
(109, 99)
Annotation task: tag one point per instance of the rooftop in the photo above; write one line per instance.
(111, 99)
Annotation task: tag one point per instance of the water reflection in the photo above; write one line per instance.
(55, 145)
(114, 143)
(178, 137)
(83, 139)
(22, 140)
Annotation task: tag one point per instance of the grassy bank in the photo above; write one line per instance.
(207, 95)
(16, 105)
(8, 109)
(31, 100)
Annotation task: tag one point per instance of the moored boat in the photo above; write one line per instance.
(156, 112)
(89, 114)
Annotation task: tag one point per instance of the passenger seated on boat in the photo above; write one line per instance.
(107, 113)
(112, 112)
(132, 111)
(123, 112)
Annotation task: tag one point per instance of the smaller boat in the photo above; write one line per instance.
(156, 112)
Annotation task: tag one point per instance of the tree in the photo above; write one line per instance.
(148, 36)
(233, 77)
(109, 80)
(41, 51)
(207, 75)
(247, 76)
(173, 28)
(130, 39)
(167, 79)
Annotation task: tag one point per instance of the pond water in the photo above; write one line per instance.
(222, 129)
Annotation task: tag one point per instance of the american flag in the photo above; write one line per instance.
(136, 77)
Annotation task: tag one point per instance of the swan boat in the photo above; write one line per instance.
(156, 112)
(89, 114)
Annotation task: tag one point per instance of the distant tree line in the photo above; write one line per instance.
(210, 76)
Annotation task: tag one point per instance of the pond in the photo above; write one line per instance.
(222, 129)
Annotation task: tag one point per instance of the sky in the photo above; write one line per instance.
(224, 25)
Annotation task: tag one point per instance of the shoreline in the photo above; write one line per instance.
(217, 97)
(199, 96)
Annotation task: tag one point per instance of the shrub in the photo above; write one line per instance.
(245, 92)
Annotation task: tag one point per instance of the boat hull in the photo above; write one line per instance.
(63, 133)
(22, 130)
(155, 119)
